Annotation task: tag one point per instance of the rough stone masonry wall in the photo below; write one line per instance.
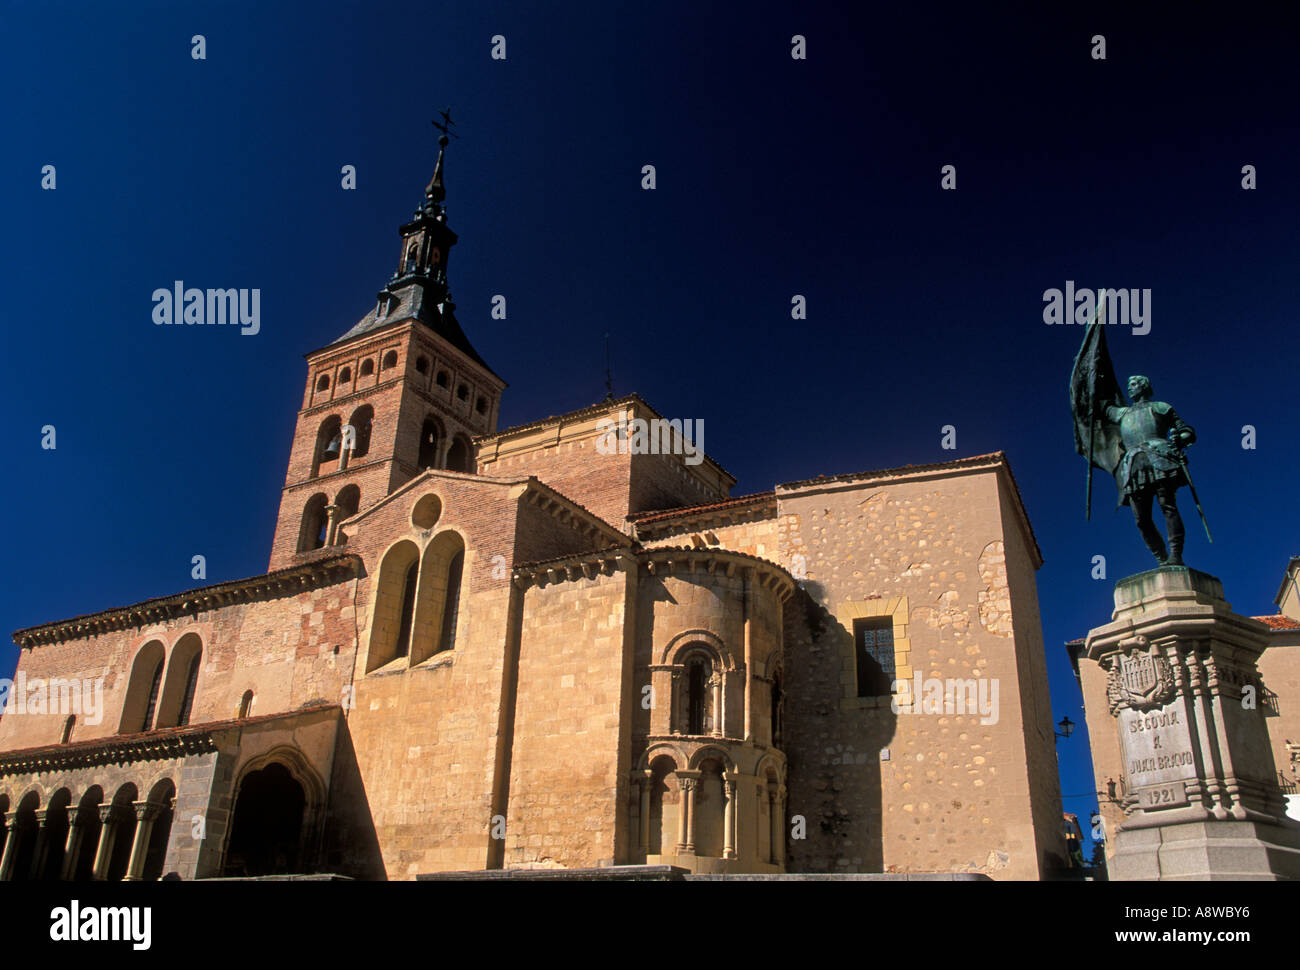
(569, 760)
(1279, 668)
(923, 792)
(425, 737)
(289, 650)
(1017, 572)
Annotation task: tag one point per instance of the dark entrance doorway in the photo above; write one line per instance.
(266, 831)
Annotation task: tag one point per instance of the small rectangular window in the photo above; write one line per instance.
(873, 648)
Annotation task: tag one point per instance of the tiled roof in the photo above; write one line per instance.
(642, 517)
(1278, 621)
(412, 304)
(316, 569)
(164, 740)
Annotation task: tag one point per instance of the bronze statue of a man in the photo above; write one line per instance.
(1152, 467)
(1141, 444)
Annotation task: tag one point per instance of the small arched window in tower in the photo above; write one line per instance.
(422, 365)
(389, 361)
(408, 610)
(68, 724)
(443, 378)
(345, 375)
(323, 382)
(451, 608)
(367, 367)
(152, 706)
(362, 420)
(348, 501)
(314, 521)
(245, 704)
(481, 405)
(327, 446)
(462, 392)
(191, 683)
(412, 257)
(460, 456)
(429, 444)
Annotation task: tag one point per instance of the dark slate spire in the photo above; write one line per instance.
(435, 191)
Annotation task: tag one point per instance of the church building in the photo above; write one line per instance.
(540, 646)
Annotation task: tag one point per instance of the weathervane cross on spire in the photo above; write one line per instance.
(445, 126)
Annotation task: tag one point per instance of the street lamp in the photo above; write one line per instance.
(1066, 726)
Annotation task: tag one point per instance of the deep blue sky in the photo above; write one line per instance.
(775, 177)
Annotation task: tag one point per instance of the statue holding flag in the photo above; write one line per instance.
(1140, 444)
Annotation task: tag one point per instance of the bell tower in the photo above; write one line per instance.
(402, 391)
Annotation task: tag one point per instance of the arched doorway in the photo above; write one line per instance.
(266, 835)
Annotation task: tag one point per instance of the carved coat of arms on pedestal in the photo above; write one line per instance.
(1139, 679)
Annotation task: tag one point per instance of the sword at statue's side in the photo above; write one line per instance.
(1178, 457)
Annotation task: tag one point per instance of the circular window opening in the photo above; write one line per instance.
(426, 511)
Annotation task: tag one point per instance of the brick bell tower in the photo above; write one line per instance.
(402, 391)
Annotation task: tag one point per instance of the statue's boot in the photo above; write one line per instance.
(1156, 544)
(1175, 557)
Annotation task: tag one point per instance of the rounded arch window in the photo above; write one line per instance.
(328, 443)
(430, 437)
(422, 365)
(323, 382)
(345, 375)
(443, 378)
(361, 422)
(481, 405)
(367, 367)
(462, 392)
(389, 361)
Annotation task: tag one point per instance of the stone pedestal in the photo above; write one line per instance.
(1201, 799)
